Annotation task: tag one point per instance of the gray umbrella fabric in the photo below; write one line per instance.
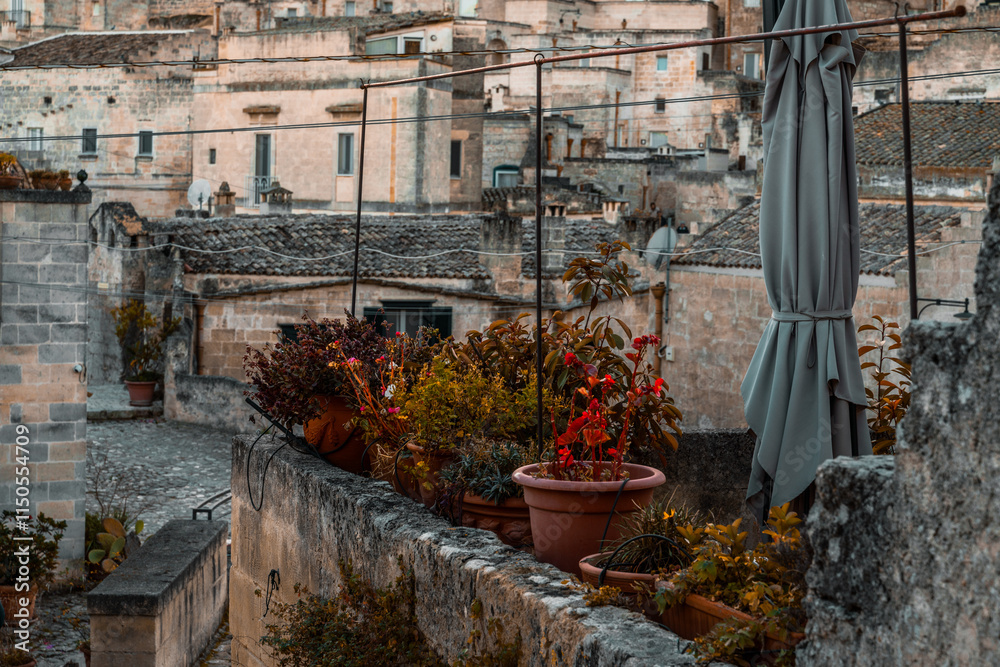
(803, 394)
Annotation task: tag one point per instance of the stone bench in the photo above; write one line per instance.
(164, 603)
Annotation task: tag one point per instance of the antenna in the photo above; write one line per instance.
(199, 193)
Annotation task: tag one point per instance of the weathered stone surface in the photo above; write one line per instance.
(314, 514)
(912, 576)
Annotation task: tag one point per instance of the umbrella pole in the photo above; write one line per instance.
(911, 242)
(538, 249)
(361, 186)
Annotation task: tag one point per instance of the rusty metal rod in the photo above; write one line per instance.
(539, 354)
(911, 234)
(732, 39)
(361, 187)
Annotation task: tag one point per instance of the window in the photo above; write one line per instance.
(345, 154)
(292, 12)
(349, 8)
(211, 156)
(145, 142)
(89, 146)
(456, 159)
(657, 139)
(34, 138)
(660, 106)
(661, 63)
(467, 7)
(409, 317)
(412, 44)
(584, 62)
(386, 7)
(751, 65)
(706, 61)
(751, 3)
(96, 9)
(381, 46)
(505, 176)
(262, 157)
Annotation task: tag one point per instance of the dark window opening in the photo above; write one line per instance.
(288, 334)
(211, 156)
(456, 159)
(89, 144)
(47, 99)
(410, 317)
(661, 105)
(145, 142)
(111, 100)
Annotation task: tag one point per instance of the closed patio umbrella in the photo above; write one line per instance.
(803, 393)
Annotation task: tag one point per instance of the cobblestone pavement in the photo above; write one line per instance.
(168, 468)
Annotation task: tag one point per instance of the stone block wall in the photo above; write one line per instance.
(43, 333)
(314, 514)
(907, 563)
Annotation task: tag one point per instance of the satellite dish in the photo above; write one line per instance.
(199, 193)
(661, 243)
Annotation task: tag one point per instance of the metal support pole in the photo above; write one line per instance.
(361, 189)
(538, 248)
(911, 237)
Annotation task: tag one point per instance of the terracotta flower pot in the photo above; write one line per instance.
(49, 183)
(10, 182)
(568, 518)
(335, 436)
(624, 581)
(510, 520)
(65, 184)
(140, 394)
(697, 615)
(435, 462)
(9, 598)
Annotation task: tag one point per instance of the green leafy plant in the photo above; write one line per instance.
(484, 467)
(767, 582)
(44, 536)
(361, 626)
(889, 401)
(141, 338)
(288, 375)
(111, 547)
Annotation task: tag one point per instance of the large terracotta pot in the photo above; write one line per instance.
(10, 182)
(624, 581)
(510, 520)
(65, 184)
(9, 598)
(697, 615)
(568, 518)
(435, 462)
(140, 394)
(336, 438)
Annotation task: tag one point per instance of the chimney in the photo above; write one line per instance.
(500, 234)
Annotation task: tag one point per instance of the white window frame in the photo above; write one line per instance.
(755, 74)
(350, 154)
(139, 151)
(83, 141)
(36, 139)
(400, 46)
(350, 8)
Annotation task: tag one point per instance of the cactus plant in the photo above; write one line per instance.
(113, 543)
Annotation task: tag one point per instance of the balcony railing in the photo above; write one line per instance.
(20, 17)
(254, 186)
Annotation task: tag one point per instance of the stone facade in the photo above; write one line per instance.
(43, 333)
(906, 561)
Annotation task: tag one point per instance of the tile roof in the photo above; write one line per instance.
(86, 48)
(883, 230)
(372, 23)
(520, 199)
(943, 134)
(290, 237)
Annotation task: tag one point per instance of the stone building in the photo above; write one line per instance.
(43, 332)
(718, 304)
(61, 118)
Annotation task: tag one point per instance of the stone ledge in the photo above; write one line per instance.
(147, 581)
(46, 196)
(314, 514)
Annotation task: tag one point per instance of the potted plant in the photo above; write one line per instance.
(483, 494)
(582, 486)
(12, 654)
(141, 338)
(42, 553)
(9, 178)
(109, 543)
(653, 541)
(301, 381)
(734, 602)
(65, 182)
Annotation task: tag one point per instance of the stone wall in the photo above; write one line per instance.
(314, 514)
(43, 333)
(718, 314)
(907, 562)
